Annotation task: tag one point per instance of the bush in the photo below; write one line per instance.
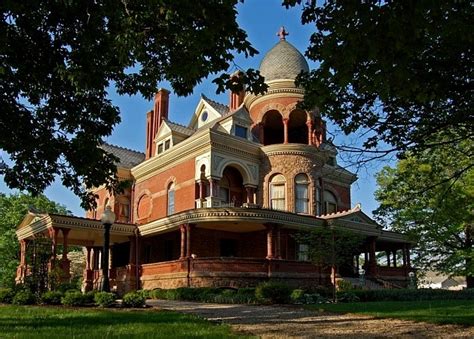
(104, 299)
(348, 297)
(297, 296)
(52, 298)
(273, 292)
(24, 297)
(89, 297)
(344, 285)
(6, 295)
(133, 299)
(74, 298)
(145, 293)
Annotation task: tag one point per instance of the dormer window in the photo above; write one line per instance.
(160, 148)
(167, 144)
(241, 131)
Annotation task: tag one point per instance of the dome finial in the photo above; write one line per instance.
(282, 33)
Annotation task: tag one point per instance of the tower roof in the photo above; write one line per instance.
(283, 61)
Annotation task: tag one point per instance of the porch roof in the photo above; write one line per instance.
(83, 231)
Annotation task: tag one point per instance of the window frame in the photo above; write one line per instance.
(275, 182)
(304, 183)
(170, 201)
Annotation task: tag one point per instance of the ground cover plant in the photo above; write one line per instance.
(459, 312)
(60, 322)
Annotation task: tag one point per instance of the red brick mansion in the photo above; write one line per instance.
(217, 202)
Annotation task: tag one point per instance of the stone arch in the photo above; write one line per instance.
(207, 166)
(143, 211)
(169, 181)
(297, 127)
(271, 107)
(273, 128)
(242, 168)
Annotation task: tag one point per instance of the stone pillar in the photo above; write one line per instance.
(214, 187)
(87, 284)
(309, 123)
(182, 230)
(269, 241)
(285, 130)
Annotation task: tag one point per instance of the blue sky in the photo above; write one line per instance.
(261, 19)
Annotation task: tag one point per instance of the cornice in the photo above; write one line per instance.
(338, 175)
(294, 149)
(187, 149)
(234, 214)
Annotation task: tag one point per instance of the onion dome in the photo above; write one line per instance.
(283, 61)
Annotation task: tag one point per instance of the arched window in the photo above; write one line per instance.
(302, 194)
(171, 198)
(272, 128)
(330, 202)
(277, 193)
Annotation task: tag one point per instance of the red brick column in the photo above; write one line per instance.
(285, 130)
(372, 258)
(261, 133)
(189, 228)
(278, 243)
(21, 270)
(182, 230)
(269, 241)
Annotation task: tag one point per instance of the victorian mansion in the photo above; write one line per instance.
(217, 202)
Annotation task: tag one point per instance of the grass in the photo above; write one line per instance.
(459, 312)
(61, 322)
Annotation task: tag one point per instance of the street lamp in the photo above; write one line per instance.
(412, 283)
(108, 218)
(362, 277)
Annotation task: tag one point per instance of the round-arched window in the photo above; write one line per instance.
(302, 193)
(277, 193)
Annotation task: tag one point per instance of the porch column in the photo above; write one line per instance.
(21, 270)
(394, 255)
(285, 130)
(404, 256)
(65, 242)
(182, 229)
(53, 233)
(309, 123)
(278, 242)
(189, 228)
(408, 256)
(87, 283)
(269, 241)
(372, 260)
(388, 258)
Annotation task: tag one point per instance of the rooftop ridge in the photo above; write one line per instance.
(221, 108)
(124, 148)
(178, 124)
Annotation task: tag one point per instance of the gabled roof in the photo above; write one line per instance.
(127, 158)
(174, 127)
(220, 108)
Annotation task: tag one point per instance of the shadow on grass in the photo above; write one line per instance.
(55, 322)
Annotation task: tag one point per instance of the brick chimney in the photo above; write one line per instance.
(236, 98)
(155, 118)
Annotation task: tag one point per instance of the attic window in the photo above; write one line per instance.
(241, 131)
(204, 116)
(167, 144)
(160, 148)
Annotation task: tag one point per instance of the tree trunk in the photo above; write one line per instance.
(469, 263)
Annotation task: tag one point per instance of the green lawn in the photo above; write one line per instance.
(60, 322)
(439, 311)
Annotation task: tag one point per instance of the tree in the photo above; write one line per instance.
(12, 210)
(430, 197)
(58, 60)
(396, 71)
(330, 248)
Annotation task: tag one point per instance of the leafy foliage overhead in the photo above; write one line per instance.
(403, 70)
(12, 210)
(431, 198)
(58, 59)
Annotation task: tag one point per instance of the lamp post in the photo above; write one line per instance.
(362, 277)
(412, 283)
(108, 218)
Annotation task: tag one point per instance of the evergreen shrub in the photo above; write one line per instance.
(273, 292)
(74, 298)
(52, 297)
(6, 295)
(104, 299)
(24, 297)
(133, 299)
